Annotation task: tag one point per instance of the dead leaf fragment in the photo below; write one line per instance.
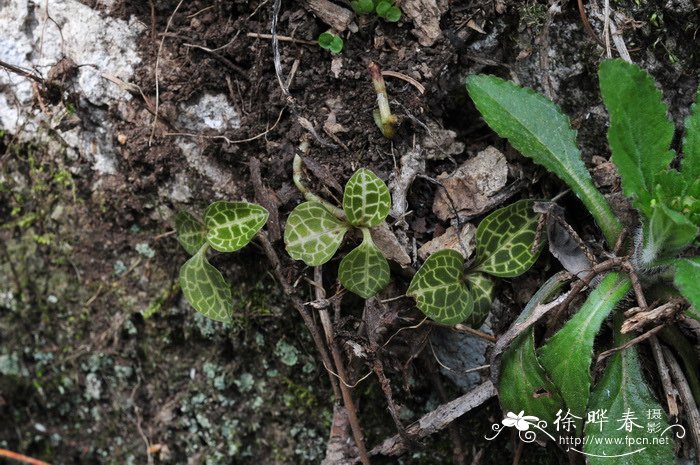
(471, 185)
(385, 239)
(425, 15)
(450, 240)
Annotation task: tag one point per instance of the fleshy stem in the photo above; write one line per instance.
(308, 195)
(382, 117)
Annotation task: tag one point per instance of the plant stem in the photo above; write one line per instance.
(340, 368)
(308, 195)
(386, 120)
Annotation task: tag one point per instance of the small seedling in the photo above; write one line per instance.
(385, 9)
(315, 229)
(331, 42)
(668, 201)
(448, 294)
(227, 227)
(383, 118)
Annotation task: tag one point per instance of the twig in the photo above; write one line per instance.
(340, 367)
(630, 343)
(21, 72)
(298, 306)
(437, 420)
(21, 458)
(665, 377)
(475, 332)
(691, 409)
(281, 38)
(157, 74)
(406, 78)
(587, 25)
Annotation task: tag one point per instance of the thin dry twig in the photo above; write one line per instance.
(665, 377)
(684, 392)
(21, 458)
(281, 38)
(475, 332)
(406, 78)
(157, 74)
(630, 343)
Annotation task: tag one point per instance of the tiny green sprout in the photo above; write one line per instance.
(448, 294)
(385, 9)
(331, 42)
(227, 227)
(315, 230)
(383, 118)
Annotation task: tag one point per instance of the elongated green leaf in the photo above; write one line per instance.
(366, 199)
(364, 271)
(504, 240)
(640, 132)
(481, 288)
(523, 384)
(439, 288)
(205, 288)
(312, 234)
(232, 225)
(629, 413)
(190, 232)
(690, 166)
(538, 129)
(686, 280)
(667, 232)
(567, 355)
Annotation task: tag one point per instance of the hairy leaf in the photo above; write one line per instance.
(538, 129)
(366, 199)
(205, 289)
(190, 232)
(232, 225)
(640, 132)
(313, 234)
(567, 355)
(504, 240)
(523, 382)
(364, 270)
(686, 280)
(667, 232)
(439, 288)
(690, 166)
(630, 411)
(481, 288)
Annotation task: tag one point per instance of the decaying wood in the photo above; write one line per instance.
(665, 378)
(335, 16)
(425, 15)
(637, 318)
(437, 420)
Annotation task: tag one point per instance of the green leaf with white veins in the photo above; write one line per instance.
(686, 280)
(630, 414)
(190, 232)
(640, 132)
(504, 240)
(537, 128)
(364, 270)
(481, 288)
(439, 288)
(568, 354)
(366, 199)
(313, 234)
(205, 288)
(232, 225)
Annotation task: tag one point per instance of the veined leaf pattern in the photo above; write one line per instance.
(366, 199)
(439, 288)
(205, 288)
(313, 234)
(232, 225)
(191, 233)
(481, 288)
(364, 270)
(504, 240)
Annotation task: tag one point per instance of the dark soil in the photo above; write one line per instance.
(101, 358)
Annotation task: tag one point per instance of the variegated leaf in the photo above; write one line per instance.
(504, 240)
(190, 232)
(481, 288)
(366, 199)
(313, 234)
(205, 288)
(439, 288)
(364, 270)
(232, 225)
